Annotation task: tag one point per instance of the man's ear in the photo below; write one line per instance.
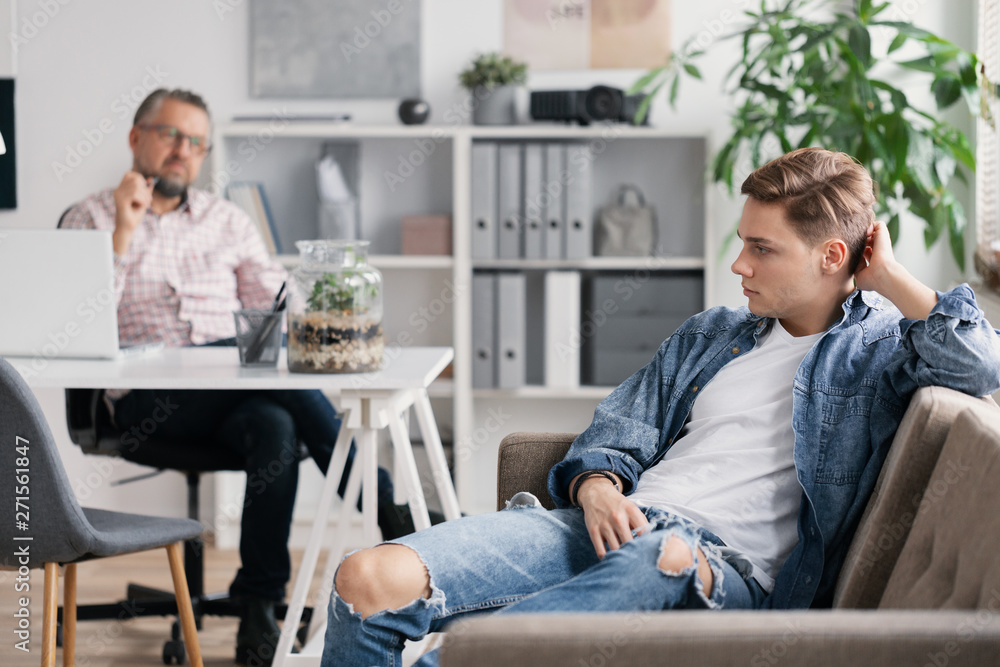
(835, 256)
(133, 137)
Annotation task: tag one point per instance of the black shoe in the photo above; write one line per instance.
(257, 638)
(395, 520)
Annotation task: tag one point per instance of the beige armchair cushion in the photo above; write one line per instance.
(886, 522)
(952, 557)
(524, 461)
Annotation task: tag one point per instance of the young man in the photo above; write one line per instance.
(184, 261)
(732, 470)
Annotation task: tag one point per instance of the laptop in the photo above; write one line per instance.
(57, 294)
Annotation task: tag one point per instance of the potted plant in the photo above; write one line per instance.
(496, 82)
(809, 77)
(335, 319)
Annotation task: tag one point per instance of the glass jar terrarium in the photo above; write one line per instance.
(335, 314)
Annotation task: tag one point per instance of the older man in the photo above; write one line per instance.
(184, 261)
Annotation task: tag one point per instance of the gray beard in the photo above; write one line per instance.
(169, 188)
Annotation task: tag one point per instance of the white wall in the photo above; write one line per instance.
(83, 67)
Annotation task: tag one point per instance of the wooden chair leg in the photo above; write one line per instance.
(50, 604)
(185, 612)
(69, 616)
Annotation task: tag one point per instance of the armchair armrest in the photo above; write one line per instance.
(523, 464)
(817, 638)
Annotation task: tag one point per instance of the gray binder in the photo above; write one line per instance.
(555, 199)
(484, 200)
(509, 193)
(484, 342)
(579, 218)
(511, 338)
(534, 211)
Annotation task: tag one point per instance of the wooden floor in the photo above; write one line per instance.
(134, 642)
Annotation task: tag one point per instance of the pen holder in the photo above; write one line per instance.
(258, 336)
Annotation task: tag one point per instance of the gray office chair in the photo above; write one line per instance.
(44, 526)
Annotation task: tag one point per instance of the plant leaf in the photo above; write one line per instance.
(861, 44)
(893, 226)
(947, 89)
(643, 109)
(908, 29)
(956, 232)
(925, 64)
(897, 42)
(865, 10)
(645, 80)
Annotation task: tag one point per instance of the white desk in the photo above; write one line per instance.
(369, 402)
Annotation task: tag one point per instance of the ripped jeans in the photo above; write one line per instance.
(528, 560)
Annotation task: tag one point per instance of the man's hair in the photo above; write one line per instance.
(154, 101)
(825, 195)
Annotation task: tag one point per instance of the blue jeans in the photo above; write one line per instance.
(266, 427)
(530, 560)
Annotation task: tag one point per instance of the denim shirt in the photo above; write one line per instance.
(849, 396)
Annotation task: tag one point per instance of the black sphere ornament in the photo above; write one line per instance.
(414, 111)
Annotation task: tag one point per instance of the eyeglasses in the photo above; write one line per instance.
(169, 134)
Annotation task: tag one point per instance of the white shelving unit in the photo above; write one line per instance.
(434, 165)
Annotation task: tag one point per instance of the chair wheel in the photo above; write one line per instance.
(173, 651)
(175, 631)
(59, 635)
(303, 634)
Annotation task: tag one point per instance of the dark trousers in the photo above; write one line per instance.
(265, 427)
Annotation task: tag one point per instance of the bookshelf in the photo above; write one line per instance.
(429, 298)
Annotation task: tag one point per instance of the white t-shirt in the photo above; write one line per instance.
(731, 469)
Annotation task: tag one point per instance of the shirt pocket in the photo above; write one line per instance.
(845, 425)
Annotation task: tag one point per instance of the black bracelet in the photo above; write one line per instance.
(584, 477)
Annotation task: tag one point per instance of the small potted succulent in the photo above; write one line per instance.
(335, 323)
(496, 83)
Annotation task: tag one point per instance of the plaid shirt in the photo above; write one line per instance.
(186, 270)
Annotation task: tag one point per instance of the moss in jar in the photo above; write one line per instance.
(336, 334)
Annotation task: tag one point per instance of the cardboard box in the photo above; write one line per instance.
(426, 234)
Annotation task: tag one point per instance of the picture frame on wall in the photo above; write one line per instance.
(587, 34)
(334, 49)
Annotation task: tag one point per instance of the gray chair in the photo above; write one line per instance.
(45, 526)
(920, 585)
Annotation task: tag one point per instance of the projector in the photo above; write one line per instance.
(600, 103)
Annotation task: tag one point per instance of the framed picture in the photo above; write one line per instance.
(334, 49)
(587, 34)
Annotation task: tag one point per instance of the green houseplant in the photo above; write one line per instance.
(808, 75)
(494, 81)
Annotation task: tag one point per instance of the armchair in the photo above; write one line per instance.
(921, 584)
